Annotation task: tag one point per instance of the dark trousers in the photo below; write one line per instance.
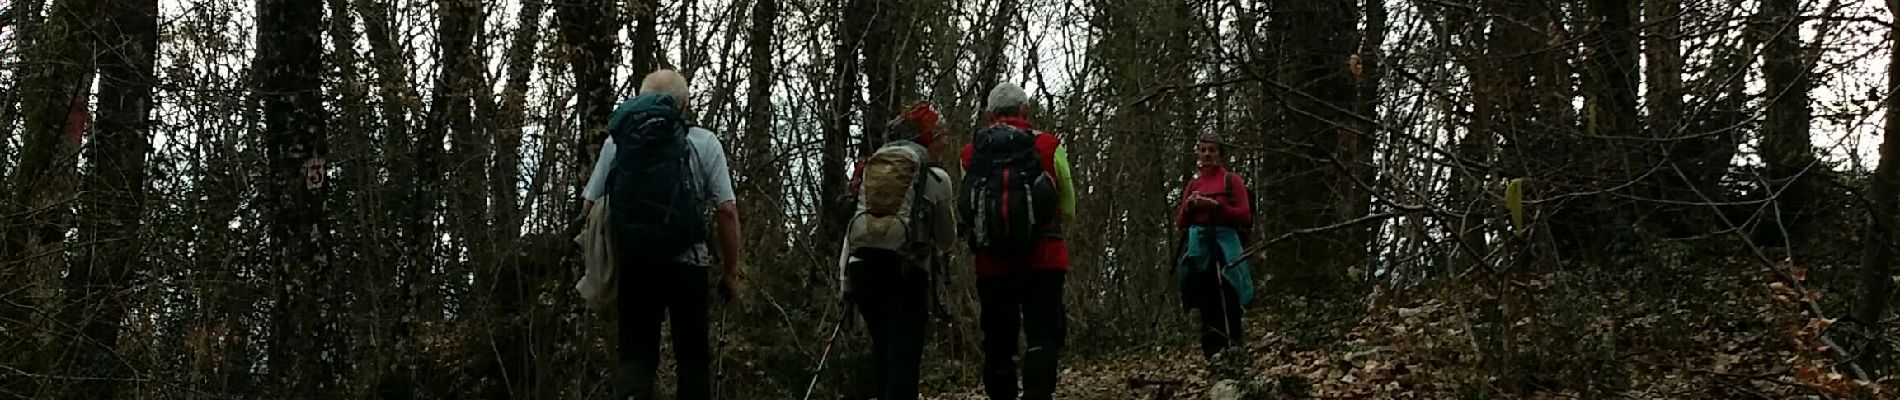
(1032, 302)
(649, 293)
(892, 297)
(1220, 311)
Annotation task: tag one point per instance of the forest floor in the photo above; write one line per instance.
(1276, 368)
(1430, 351)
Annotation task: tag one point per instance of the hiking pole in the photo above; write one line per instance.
(720, 349)
(844, 309)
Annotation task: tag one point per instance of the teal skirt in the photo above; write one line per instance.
(1204, 246)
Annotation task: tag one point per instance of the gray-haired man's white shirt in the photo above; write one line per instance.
(709, 166)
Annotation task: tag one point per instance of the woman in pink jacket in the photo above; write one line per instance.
(1213, 276)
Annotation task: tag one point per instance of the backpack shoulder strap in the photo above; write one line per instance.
(1228, 181)
(933, 169)
(924, 174)
(921, 238)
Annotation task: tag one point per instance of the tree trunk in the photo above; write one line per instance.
(505, 192)
(357, 154)
(1611, 70)
(1554, 90)
(889, 76)
(224, 308)
(39, 207)
(1709, 158)
(965, 99)
(1546, 149)
(1144, 48)
(1318, 44)
(946, 52)
(644, 55)
(401, 212)
(502, 286)
(9, 112)
(764, 187)
(1663, 58)
(451, 117)
(1359, 141)
(116, 178)
(585, 29)
(1663, 76)
(304, 355)
(1489, 85)
(1260, 50)
(365, 229)
(24, 18)
(1877, 260)
(1706, 155)
(837, 135)
(989, 70)
(1786, 148)
(1610, 77)
(388, 60)
(212, 228)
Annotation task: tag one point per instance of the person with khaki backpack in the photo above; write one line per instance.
(893, 245)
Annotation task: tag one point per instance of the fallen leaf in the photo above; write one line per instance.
(1807, 373)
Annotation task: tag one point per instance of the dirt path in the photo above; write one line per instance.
(1176, 375)
(1425, 351)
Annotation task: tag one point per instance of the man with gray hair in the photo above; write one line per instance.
(660, 175)
(1018, 194)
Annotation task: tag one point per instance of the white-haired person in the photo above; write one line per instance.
(1016, 195)
(661, 178)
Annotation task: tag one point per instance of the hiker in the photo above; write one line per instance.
(895, 243)
(1214, 216)
(661, 175)
(1015, 196)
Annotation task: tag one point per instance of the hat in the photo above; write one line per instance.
(919, 122)
(1210, 137)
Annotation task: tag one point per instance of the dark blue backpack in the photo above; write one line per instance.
(1008, 201)
(655, 200)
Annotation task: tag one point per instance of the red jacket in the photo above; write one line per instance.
(1053, 253)
(1223, 186)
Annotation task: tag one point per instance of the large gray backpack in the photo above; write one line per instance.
(893, 215)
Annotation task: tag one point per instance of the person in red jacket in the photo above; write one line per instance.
(1025, 293)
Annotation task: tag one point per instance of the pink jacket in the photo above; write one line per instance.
(1224, 186)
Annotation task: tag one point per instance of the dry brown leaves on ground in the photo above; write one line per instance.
(1428, 350)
